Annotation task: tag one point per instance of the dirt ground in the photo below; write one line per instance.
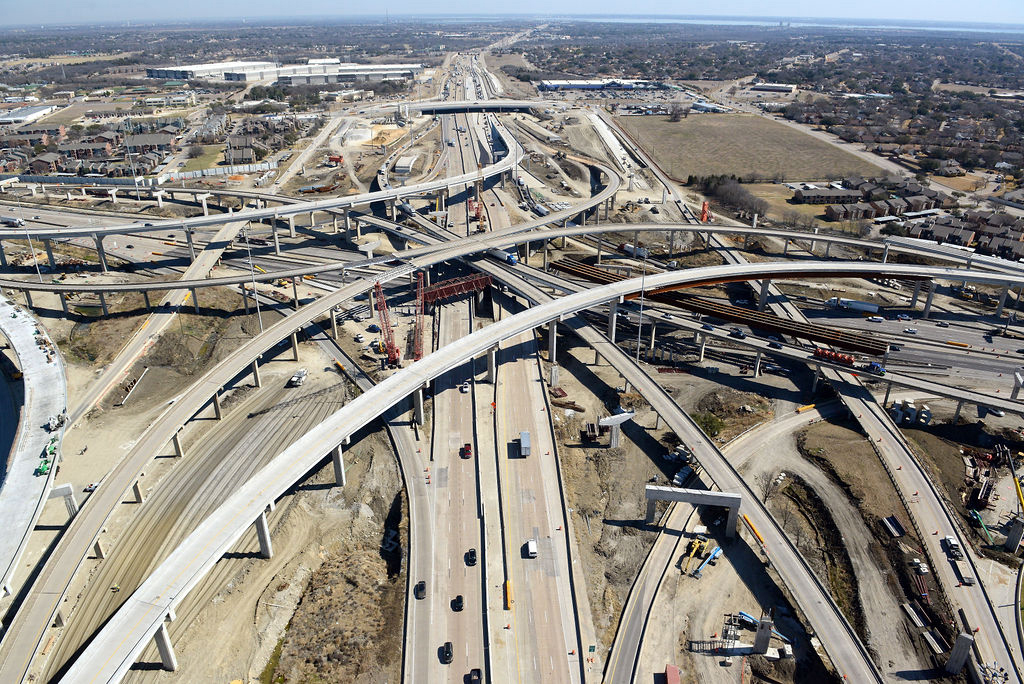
(514, 88)
(740, 144)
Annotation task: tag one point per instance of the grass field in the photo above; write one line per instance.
(740, 144)
(211, 155)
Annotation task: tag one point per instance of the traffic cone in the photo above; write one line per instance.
(935, 532)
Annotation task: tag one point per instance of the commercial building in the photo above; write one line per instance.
(320, 74)
(597, 84)
(24, 115)
(774, 87)
(206, 72)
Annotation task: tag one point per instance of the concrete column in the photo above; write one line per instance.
(179, 451)
(928, 302)
(263, 532)
(1002, 300)
(99, 250)
(338, 459)
(334, 223)
(191, 245)
(885, 254)
(828, 248)
(103, 304)
(917, 293)
(334, 325)
(553, 380)
(599, 241)
(295, 294)
(295, 346)
(654, 328)
(256, 373)
(671, 242)
(492, 365)
(110, 191)
(28, 300)
(762, 299)
(206, 209)
(145, 298)
(195, 299)
(817, 376)
(216, 405)
(757, 363)
(137, 491)
(3, 255)
(417, 406)
(613, 307)
(159, 194)
(785, 247)
(615, 436)
(370, 298)
(348, 226)
(48, 244)
(291, 226)
(392, 210)
(552, 341)
(814, 243)
(277, 241)
(163, 645)
(703, 346)
(97, 550)
(959, 408)
(888, 389)
(245, 300)
(312, 219)
(545, 256)
(63, 302)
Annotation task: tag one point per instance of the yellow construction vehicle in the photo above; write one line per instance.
(698, 545)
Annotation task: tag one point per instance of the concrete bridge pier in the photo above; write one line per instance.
(492, 365)
(817, 376)
(145, 298)
(888, 389)
(166, 649)
(757, 363)
(348, 225)
(256, 373)
(28, 300)
(66, 492)
(216, 405)
(334, 224)
(417, 406)
(48, 244)
(103, 304)
(263, 533)
(291, 226)
(97, 550)
(63, 302)
(277, 241)
(917, 293)
(703, 347)
(762, 298)
(202, 199)
(928, 302)
(195, 299)
(295, 294)
(191, 244)
(159, 195)
(334, 326)
(3, 255)
(1002, 300)
(179, 451)
(959, 408)
(338, 459)
(110, 191)
(99, 251)
(599, 245)
(828, 248)
(613, 307)
(885, 254)
(295, 346)
(785, 247)
(137, 491)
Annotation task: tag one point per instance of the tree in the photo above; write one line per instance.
(195, 152)
(709, 423)
(676, 111)
(767, 485)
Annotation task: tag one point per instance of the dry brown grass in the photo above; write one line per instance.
(740, 144)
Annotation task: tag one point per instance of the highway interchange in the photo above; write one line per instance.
(467, 505)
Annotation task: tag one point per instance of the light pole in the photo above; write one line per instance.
(252, 274)
(640, 321)
(21, 212)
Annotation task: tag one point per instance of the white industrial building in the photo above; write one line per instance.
(206, 72)
(774, 87)
(23, 115)
(597, 84)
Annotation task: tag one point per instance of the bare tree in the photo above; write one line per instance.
(677, 110)
(767, 485)
(195, 152)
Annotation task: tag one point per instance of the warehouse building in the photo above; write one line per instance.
(320, 74)
(206, 72)
(24, 115)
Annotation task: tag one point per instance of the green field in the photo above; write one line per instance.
(746, 145)
(211, 155)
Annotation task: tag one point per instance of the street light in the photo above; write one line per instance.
(252, 273)
(640, 321)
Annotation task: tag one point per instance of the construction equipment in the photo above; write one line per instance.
(977, 518)
(387, 332)
(417, 335)
(710, 559)
(705, 213)
(698, 545)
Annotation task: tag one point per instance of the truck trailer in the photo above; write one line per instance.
(524, 443)
(852, 305)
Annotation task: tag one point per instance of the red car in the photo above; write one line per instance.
(466, 451)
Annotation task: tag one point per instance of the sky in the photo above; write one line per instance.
(49, 12)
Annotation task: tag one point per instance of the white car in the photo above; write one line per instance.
(91, 487)
(910, 331)
(464, 387)
(875, 319)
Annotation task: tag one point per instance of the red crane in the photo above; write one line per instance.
(386, 332)
(417, 336)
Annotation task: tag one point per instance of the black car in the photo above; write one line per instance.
(471, 557)
(458, 603)
(707, 326)
(446, 653)
(420, 591)
(475, 676)
(737, 333)
(775, 345)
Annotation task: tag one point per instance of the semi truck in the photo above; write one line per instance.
(852, 305)
(501, 255)
(524, 443)
(848, 360)
(639, 252)
(12, 221)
